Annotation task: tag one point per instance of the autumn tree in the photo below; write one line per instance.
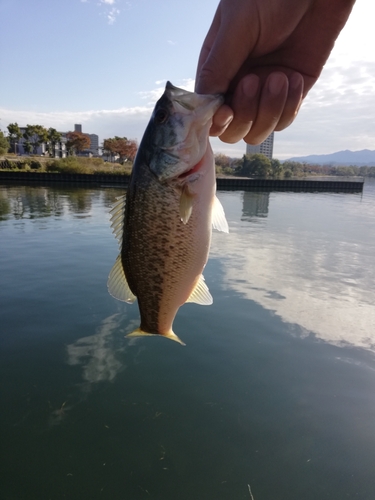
(108, 148)
(77, 142)
(125, 148)
(222, 160)
(14, 135)
(35, 135)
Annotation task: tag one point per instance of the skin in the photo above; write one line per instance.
(265, 55)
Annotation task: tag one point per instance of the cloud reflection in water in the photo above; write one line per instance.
(99, 354)
(311, 261)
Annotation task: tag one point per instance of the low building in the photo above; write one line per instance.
(58, 150)
(43, 149)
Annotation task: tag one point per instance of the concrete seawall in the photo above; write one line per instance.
(236, 183)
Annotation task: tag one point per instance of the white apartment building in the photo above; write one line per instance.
(59, 148)
(265, 148)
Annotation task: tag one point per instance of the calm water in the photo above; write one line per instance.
(275, 387)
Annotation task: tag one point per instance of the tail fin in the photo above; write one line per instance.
(140, 333)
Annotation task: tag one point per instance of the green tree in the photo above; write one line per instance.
(14, 135)
(53, 138)
(276, 168)
(295, 168)
(364, 170)
(4, 143)
(28, 147)
(36, 135)
(256, 165)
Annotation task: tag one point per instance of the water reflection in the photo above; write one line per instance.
(98, 354)
(101, 355)
(255, 205)
(312, 265)
(30, 202)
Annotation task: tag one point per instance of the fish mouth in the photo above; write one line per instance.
(190, 101)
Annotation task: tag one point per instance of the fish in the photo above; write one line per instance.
(164, 222)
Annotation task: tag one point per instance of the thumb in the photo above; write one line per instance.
(228, 43)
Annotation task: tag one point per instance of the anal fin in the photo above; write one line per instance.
(201, 294)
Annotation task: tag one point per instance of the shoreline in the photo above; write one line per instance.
(226, 183)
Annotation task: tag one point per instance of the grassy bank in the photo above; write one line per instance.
(70, 165)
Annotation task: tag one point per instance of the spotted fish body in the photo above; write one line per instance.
(165, 222)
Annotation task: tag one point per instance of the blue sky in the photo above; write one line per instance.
(103, 63)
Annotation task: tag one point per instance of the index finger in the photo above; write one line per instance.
(228, 43)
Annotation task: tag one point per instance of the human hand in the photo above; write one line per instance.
(265, 55)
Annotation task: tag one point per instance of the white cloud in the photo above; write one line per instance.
(112, 15)
(336, 115)
(152, 95)
(129, 122)
(187, 84)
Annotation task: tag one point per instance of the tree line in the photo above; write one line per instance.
(76, 142)
(124, 150)
(258, 165)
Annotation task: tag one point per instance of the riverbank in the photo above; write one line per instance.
(228, 183)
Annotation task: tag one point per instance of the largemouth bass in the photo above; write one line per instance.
(164, 222)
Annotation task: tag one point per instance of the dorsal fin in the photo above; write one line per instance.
(201, 294)
(219, 221)
(117, 284)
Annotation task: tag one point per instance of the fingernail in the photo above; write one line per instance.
(250, 86)
(296, 81)
(276, 83)
(226, 122)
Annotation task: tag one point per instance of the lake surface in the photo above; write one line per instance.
(275, 388)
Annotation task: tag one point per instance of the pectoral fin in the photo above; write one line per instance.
(219, 221)
(201, 294)
(117, 284)
(186, 204)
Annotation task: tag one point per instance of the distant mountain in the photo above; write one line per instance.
(347, 157)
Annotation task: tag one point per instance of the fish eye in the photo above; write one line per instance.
(161, 115)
